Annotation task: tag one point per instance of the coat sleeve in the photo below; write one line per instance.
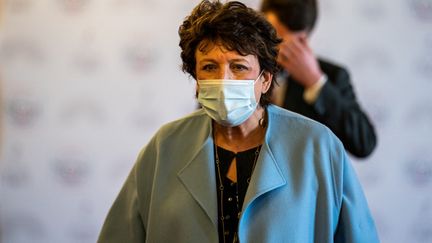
(338, 108)
(126, 220)
(355, 222)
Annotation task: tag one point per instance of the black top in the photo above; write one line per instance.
(231, 196)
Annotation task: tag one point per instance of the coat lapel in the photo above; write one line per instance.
(198, 176)
(266, 176)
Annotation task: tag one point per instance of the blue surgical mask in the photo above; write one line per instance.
(228, 102)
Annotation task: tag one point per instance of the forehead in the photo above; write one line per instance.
(219, 51)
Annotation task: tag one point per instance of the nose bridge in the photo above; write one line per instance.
(225, 72)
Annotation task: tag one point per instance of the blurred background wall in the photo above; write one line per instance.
(85, 83)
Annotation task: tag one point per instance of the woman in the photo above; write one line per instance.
(239, 169)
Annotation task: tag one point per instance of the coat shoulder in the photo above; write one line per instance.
(326, 64)
(281, 117)
(196, 118)
(285, 125)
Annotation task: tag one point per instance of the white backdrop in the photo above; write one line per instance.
(85, 83)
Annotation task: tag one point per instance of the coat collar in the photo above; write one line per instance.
(198, 176)
(266, 176)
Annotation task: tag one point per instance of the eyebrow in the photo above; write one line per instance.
(231, 60)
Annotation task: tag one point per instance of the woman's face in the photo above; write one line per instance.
(216, 62)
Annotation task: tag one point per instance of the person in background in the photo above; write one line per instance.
(315, 87)
(239, 169)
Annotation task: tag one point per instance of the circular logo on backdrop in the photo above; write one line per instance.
(139, 57)
(419, 171)
(71, 167)
(422, 9)
(23, 111)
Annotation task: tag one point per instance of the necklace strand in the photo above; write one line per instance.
(221, 191)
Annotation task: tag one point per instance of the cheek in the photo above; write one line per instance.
(259, 90)
(257, 93)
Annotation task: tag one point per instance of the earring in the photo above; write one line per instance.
(262, 122)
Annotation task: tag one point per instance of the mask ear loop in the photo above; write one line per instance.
(259, 76)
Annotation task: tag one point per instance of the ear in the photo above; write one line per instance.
(266, 82)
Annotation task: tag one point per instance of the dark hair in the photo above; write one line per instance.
(296, 15)
(237, 28)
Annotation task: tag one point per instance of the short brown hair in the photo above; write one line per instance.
(237, 28)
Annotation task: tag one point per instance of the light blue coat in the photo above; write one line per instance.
(303, 188)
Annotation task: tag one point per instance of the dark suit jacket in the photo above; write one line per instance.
(337, 108)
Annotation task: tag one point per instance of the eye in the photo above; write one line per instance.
(239, 67)
(209, 67)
